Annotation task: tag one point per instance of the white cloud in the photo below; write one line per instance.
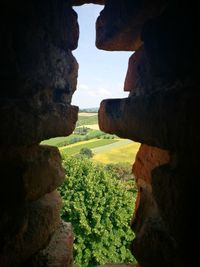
(83, 87)
(95, 92)
(88, 95)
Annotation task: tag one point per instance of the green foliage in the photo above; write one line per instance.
(100, 209)
(95, 134)
(85, 151)
(121, 170)
(81, 130)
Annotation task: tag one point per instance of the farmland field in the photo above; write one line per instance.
(74, 149)
(106, 148)
(120, 142)
(119, 152)
(55, 141)
(92, 126)
(87, 114)
(86, 120)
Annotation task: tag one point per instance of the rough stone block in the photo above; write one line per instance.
(59, 251)
(24, 124)
(138, 77)
(163, 41)
(42, 219)
(28, 173)
(119, 25)
(35, 52)
(146, 160)
(152, 119)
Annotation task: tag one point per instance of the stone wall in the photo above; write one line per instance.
(161, 112)
(38, 78)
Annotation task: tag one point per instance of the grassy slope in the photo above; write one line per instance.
(54, 141)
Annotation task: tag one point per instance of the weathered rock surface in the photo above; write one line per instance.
(119, 25)
(36, 53)
(147, 159)
(59, 252)
(41, 220)
(38, 72)
(34, 171)
(153, 119)
(164, 43)
(138, 77)
(161, 112)
(43, 122)
(147, 220)
(38, 75)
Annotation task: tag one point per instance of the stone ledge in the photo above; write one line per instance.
(51, 120)
(121, 31)
(59, 252)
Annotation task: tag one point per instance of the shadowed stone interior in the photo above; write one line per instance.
(38, 78)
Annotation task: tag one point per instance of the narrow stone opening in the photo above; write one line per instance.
(38, 76)
(99, 193)
(101, 73)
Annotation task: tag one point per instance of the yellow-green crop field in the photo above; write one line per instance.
(123, 153)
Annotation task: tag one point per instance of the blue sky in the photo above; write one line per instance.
(101, 73)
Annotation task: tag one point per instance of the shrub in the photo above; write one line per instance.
(87, 152)
(100, 210)
(121, 170)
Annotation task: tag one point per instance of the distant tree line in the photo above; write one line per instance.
(89, 110)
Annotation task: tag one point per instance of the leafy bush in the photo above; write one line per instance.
(121, 170)
(95, 134)
(86, 152)
(100, 209)
(81, 130)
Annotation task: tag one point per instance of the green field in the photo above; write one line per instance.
(57, 140)
(73, 138)
(87, 120)
(74, 149)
